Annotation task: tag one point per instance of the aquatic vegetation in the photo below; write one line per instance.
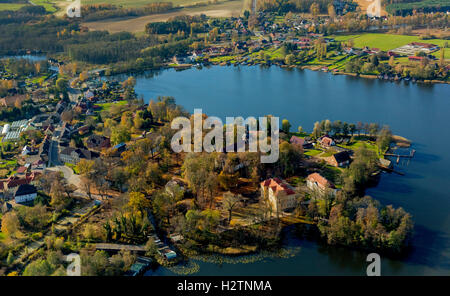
(189, 267)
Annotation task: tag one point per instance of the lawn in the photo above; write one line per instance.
(106, 106)
(389, 41)
(11, 6)
(312, 152)
(8, 163)
(355, 145)
(48, 4)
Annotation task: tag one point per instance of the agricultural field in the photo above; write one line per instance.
(134, 25)
(390, 41)
(140, 3)
(10, 6)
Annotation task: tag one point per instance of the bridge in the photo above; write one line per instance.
(120, 247)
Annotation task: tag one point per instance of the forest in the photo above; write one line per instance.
(407, 7)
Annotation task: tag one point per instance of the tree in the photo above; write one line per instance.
(230, 201)
(58, 200)
(384, 138)
(151, 247)
(289, 59)
(285, 125)
(314, 9)
(61, 84)
(392, 61)
(10, 258)
(86, 169)
(197, 168)
(10, 224)
(316, 130)
(331, 11)
(83, 76)
(67, 116)
(120, 134)
(138, 202)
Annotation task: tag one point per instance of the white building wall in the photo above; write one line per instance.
(25, 198)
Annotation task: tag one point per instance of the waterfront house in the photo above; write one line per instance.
(341, 159)
(280, 195)
(326, 142)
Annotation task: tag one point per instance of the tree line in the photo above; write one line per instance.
(97, 12)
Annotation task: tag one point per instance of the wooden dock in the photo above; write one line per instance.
(410, 155)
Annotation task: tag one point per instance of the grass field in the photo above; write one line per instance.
(140, 3)
(10, 6)
(107, 106)
(49, 5)
(389, 41)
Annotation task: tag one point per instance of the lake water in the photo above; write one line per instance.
(418, 112)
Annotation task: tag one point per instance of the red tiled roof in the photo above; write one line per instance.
(21, 170)
(277, 185)
(426, 45)
(321, 181)
(326, 141)
(14, 181)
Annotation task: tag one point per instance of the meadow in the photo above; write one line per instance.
(10, 6)
(390, 41)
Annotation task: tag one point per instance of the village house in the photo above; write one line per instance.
(326, 142)
(300, 142)
(315, 182)
(74, 155)
(97, 142)
(280, 195)
(9, 185)
(341, 159)
(25, 193)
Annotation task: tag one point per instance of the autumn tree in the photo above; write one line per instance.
(138, 202)
(229, 202)
(10, 224)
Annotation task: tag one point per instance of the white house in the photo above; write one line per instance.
(25, 193)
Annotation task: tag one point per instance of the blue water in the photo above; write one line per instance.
(418, 112)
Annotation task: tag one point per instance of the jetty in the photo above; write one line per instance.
(410, 155)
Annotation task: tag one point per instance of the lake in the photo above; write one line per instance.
(417, 112)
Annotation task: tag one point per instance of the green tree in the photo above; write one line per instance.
(285, 126)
